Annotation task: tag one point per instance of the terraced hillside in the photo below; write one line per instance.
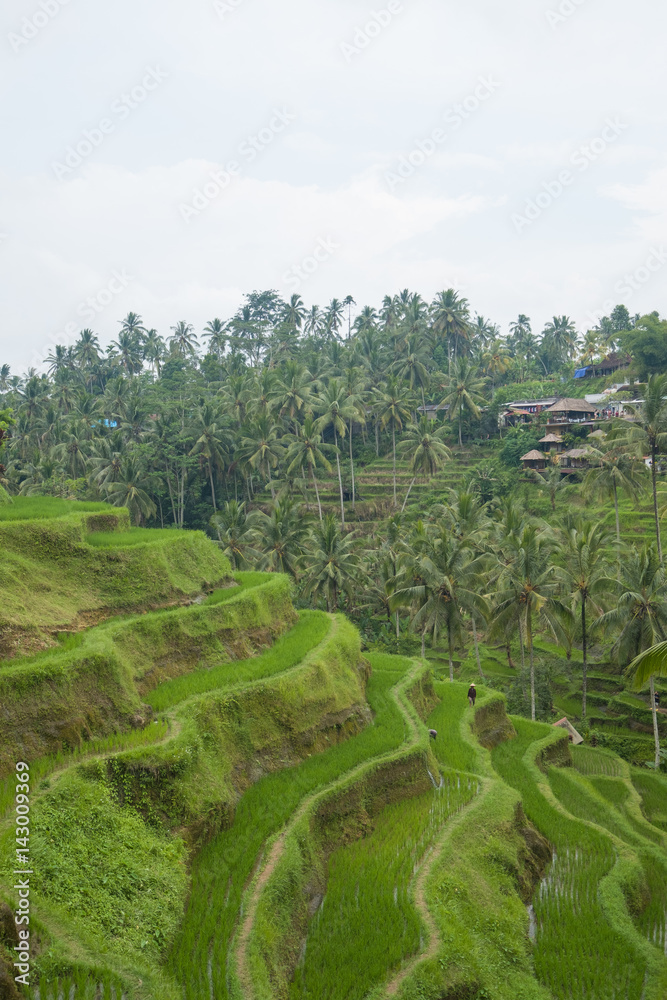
(228, 800)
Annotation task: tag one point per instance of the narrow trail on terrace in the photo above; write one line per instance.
(277, 848)
(419, 892)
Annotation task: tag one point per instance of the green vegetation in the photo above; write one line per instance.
(367, 909)
(222, 868)
(285, 653)
(127, 539)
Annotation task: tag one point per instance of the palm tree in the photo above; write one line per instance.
(262, 447)
(335, 409)
(649, 431)
(333, 566)
(131, 491)
(153, 350)
(450, 321)
(641, 617)
(582, 570)
(496, 361)
(525, 589)
(552, 478)
(129, 351)
(393, 410)
(279, 536)
(216, 330)
(442, 583)
(349, 302)
(355, 384)
(184, 339)
(616, 469)
(411, 367)
(234, 528)
(307, 451)
(210, 444)
(292, 392)
(559, 336)
(428, 454)
(295, 312)
(333, 318)
(463, 392)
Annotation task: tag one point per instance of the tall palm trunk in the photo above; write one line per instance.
(340, 480)
(474, 637)
(584, 648)
(460, 438)
(408, 493)
(393, 445)
(210, 473)
(655, 498)
(423, 642)
(317, 492)
(451, 656)
(656, 733)
(529, 636)
(352, 467)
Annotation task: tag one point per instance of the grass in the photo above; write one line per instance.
(367, 924)
(135, 536)
(198, 958)
(41, 768)
(591, 760)
(244, 581)
(43, 508)
(577, 952)
(450, 749)
(653, 791)
(311, 628)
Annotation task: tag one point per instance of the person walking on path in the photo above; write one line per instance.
(472, 694)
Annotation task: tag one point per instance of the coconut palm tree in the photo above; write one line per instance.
(616, 469)
(450, 321)
(422, 442)
(292, 391)
(393, 407)
(262, 447)
(648, 432)
(335, 411)
(525, 591)
(210, 444)
(411, 367)
(348, 301)
(131, 491)
(307, 452)
(583, 571)
(216, 331)
(183, 340)
(640, 617)
(233, 527)
(443, 583)
(463, 392)
(279, 537)
(333, 567)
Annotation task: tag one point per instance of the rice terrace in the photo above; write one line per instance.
(317, 686)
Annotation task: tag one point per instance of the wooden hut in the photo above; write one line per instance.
(534, 460)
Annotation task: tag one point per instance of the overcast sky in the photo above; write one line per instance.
(167, 157)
